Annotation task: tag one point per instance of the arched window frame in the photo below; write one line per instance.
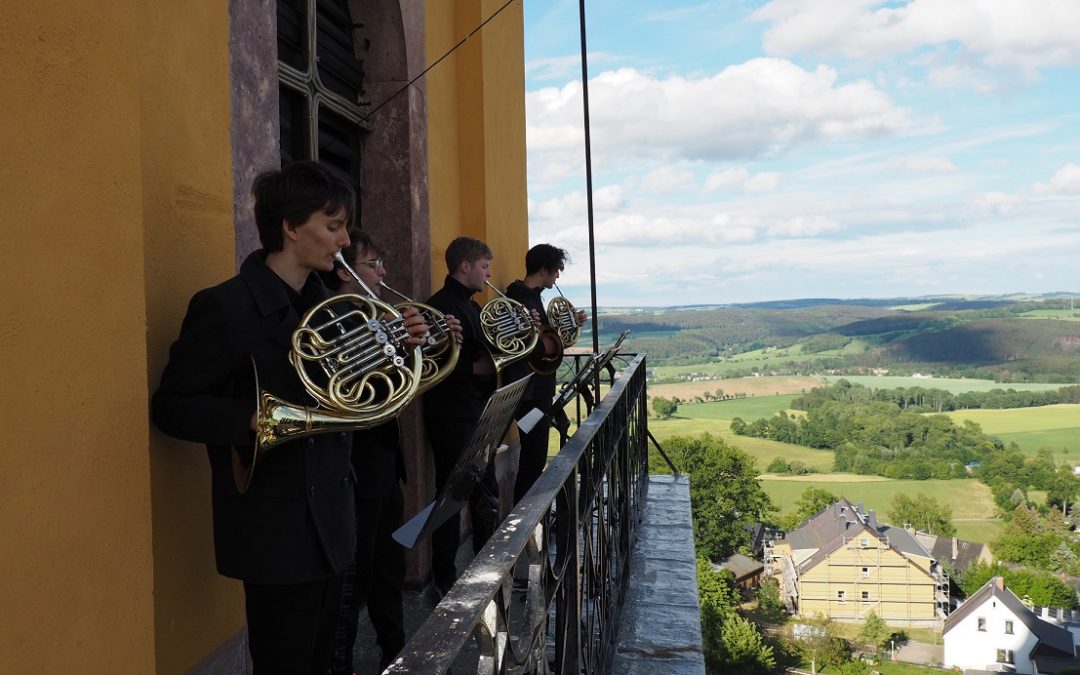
(321, 90)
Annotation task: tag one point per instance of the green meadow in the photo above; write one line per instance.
(1056, 427)
(968, 498)
(715, 418)
(952, 385)
(749, 408)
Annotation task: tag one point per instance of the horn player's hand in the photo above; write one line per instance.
(415, 326)
(535, 316)
(581, 317)
(454, 324)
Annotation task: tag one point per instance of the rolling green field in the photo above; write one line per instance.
(983, 532)
(715, 418)
(1054, 426)
(746, 408)
(760, 358)
(968, 498)
(955, 386)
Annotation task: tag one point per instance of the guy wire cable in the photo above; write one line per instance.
(463, 40)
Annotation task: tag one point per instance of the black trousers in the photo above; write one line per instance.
(375, 577)
(534, 451)
(448, 440)
(291, 626)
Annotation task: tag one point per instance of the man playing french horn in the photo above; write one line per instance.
(376, 577)
(288, 532)
(453, 407)
(543, 265)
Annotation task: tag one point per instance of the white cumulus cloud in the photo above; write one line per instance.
(999, 32)
(762, 106)
(1066, 181)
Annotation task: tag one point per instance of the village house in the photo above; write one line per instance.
(993, 631)
(843, 564)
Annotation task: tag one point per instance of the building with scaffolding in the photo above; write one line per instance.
(843, 564)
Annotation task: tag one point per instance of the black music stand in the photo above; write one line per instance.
(581, 385)
(469, 471)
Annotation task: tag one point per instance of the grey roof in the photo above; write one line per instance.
(741, 566)
(824, 526)
(1053, 640)
(941, 548)
(902, 541)
(829, 528)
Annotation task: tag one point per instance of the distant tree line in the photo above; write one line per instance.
(930, 399)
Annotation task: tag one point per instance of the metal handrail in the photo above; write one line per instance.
(570, 537)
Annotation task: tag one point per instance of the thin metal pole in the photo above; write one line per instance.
(589, 189)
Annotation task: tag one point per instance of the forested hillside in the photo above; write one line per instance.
(986, 338)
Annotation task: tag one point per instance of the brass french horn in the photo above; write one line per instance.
(563, 318)
(353, 360)
(508, 328)
(440, 348)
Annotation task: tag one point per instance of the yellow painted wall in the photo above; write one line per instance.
(899, 590)
(117, 204)
(476, 133)
(187, 213)
(74, 471)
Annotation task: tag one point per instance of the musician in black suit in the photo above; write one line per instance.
(453, 407)
(543, 265)
(290, 536)
(378, 569)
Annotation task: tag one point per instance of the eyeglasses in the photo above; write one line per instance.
(375, 263)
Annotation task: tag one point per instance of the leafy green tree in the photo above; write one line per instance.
(725, 495)
(663, 407)
(1063, 488)
(717, 596)
(812, 501)
(768, 595)
(778, 465)
(744, 648)
(1063, 559)
(1043, 588)
(730, 642)
(819, 642)
(874, 631)
(923, 513)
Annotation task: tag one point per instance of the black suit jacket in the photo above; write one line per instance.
(296, 521)
(461, 395)
(540, 391)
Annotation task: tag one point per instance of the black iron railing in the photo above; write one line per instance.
(543, 596)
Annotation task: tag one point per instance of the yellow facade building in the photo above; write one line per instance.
(842, 564)
(130, 137)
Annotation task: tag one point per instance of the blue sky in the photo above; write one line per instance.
(750, 150)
